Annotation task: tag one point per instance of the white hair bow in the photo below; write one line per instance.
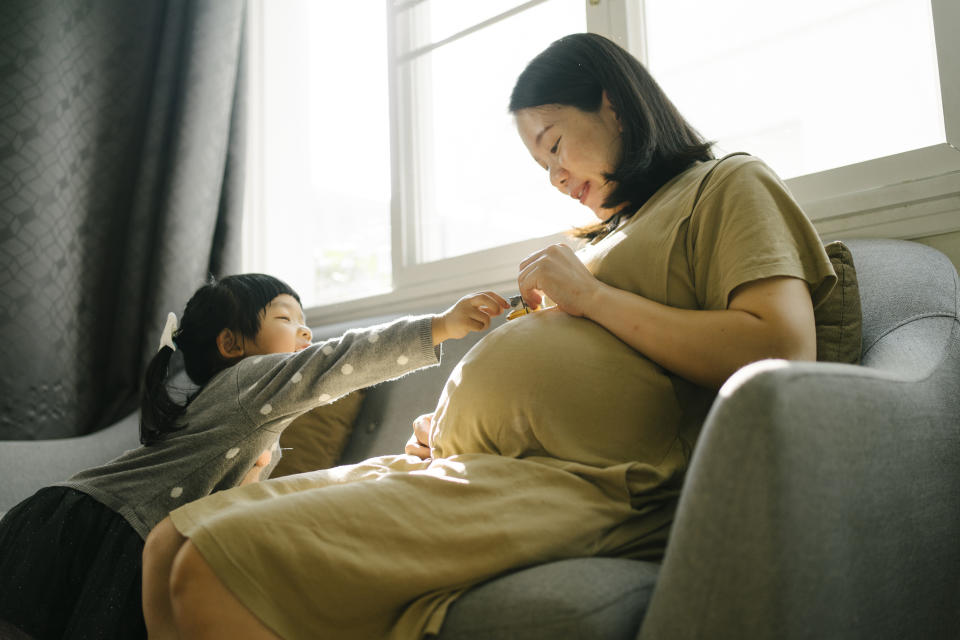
(166, 338)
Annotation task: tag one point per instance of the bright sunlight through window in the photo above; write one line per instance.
(477, 185)
(324, 149)
(807, 86)
(388, 174)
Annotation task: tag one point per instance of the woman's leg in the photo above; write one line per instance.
(159, 551)
(204, 608)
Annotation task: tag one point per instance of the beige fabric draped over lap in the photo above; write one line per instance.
(553, 438)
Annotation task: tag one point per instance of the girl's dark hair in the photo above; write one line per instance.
(658, 143)
(235, 303)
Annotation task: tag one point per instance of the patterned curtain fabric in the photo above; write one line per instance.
(121, 149)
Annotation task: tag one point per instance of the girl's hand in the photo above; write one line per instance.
(470, 313)
(557, 273)
(254, 474)
(418, 444)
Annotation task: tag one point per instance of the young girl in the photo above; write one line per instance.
(70, 556)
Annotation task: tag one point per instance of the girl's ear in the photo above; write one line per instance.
(230, 344)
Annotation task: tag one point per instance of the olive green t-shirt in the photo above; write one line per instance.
(565, 391)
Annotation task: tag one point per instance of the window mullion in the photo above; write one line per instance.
(946, 17)
(396, 145)
(619, 20)
(636, 21)
(403, 131)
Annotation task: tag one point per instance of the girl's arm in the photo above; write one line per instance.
(470, 313)
(275, 388)
(767, 318)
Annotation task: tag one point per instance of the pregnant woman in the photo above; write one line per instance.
(696, 267)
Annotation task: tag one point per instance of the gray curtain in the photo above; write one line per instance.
(121, 150)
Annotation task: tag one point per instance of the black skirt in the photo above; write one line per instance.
(70, 568)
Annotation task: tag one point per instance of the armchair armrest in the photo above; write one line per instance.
(29, 465)
(822, 501)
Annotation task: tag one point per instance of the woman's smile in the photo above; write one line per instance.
(582, 192)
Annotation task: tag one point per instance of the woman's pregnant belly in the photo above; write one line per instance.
(555, 385)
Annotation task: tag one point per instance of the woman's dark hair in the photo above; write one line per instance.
(235, 303)
(658, 143)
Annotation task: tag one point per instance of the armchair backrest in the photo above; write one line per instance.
(909, 297)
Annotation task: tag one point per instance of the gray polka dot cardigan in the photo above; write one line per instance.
(242, 411)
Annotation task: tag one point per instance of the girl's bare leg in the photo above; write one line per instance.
(159, 550)
(204, 608)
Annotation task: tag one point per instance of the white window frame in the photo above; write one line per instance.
(907, 195)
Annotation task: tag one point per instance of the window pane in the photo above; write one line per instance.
(807, 86)
(325, 209)
(478, 186)
(439, 19)
(350, 150)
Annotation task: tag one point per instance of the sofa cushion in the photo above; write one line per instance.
(316, 439)
(838, 317)
(576, 598)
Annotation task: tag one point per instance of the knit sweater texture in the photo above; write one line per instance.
(242, 411)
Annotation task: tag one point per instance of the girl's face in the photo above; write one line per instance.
(577, 148)
(282, 328)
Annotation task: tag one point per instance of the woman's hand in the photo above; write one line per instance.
(469, 313)
(418, 444)
(254, 474)
(557, 273)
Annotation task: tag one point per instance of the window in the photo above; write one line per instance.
(361, 199)
(473, 184)
(318, 210)
(809, 88)
(387, 174)
(854, 102)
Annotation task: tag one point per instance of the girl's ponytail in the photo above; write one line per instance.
(158, 411)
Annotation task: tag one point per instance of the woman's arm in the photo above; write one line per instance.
(768, 318)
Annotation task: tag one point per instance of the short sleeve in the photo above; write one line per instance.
(746, 226)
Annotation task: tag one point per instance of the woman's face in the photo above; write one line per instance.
(577, 148)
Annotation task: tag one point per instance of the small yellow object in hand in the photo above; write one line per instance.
(519, 307)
